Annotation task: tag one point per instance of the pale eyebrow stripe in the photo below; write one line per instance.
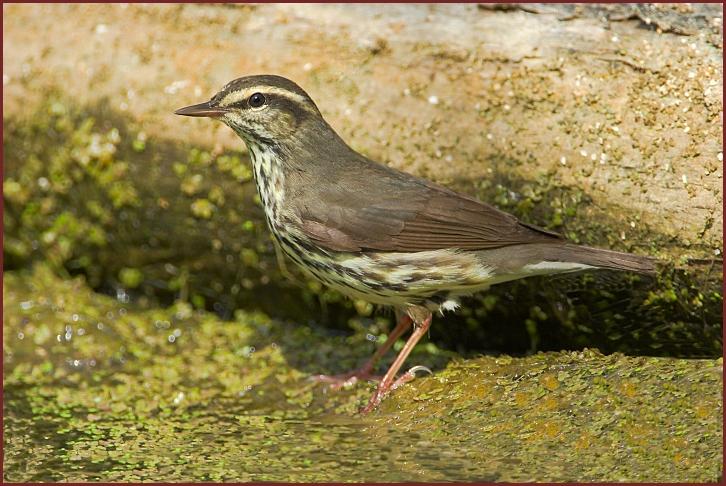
(236, 96)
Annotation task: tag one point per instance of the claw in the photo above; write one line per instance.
(420, 368)
(409, 376)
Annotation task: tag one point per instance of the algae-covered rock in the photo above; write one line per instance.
(622, 102)
(572, 417)
(99, 390)
(584, 123)
(82, 193)
(158, 223)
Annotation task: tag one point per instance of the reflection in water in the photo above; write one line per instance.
(225, 442)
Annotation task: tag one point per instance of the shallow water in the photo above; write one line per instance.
(97, 390)
(223, 442)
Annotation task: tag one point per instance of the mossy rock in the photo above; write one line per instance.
(99, 390)
(153, 222)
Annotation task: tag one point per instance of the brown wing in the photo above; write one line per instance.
(373, 207)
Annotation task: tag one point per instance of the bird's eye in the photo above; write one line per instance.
(256, 100)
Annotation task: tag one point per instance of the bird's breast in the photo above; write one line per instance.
(270, 182)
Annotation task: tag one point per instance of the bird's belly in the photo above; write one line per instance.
(393, 278)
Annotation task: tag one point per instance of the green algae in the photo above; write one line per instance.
(578, 416)
(82, 192)
(98, 389)
(160, 222)
(104, 390)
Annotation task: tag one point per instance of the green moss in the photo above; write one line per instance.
(202, 208)
(80, 193)
(572, 417)
(99, 390)
(131, 277)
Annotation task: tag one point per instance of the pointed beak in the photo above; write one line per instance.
(202, 109)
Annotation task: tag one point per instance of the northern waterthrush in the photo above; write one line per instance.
(377, 234)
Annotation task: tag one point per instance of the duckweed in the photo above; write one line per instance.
(101, 390)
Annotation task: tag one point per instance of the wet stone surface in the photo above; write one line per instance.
(99, 390)
(152, 221)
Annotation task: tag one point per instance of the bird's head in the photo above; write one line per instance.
(261, 109)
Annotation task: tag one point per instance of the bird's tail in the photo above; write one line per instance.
(610, 259)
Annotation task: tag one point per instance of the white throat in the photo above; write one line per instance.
(269, 179)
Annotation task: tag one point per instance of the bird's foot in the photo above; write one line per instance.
(409, 376)
(344, 380)
(384, 388)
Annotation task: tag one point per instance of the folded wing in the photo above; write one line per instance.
(386, 210)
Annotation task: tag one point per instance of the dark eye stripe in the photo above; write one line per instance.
(247, 102)
(279, 101)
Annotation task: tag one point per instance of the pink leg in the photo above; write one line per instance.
(386, 383)
(365, 371)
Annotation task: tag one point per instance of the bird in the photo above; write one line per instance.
(378, 234)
